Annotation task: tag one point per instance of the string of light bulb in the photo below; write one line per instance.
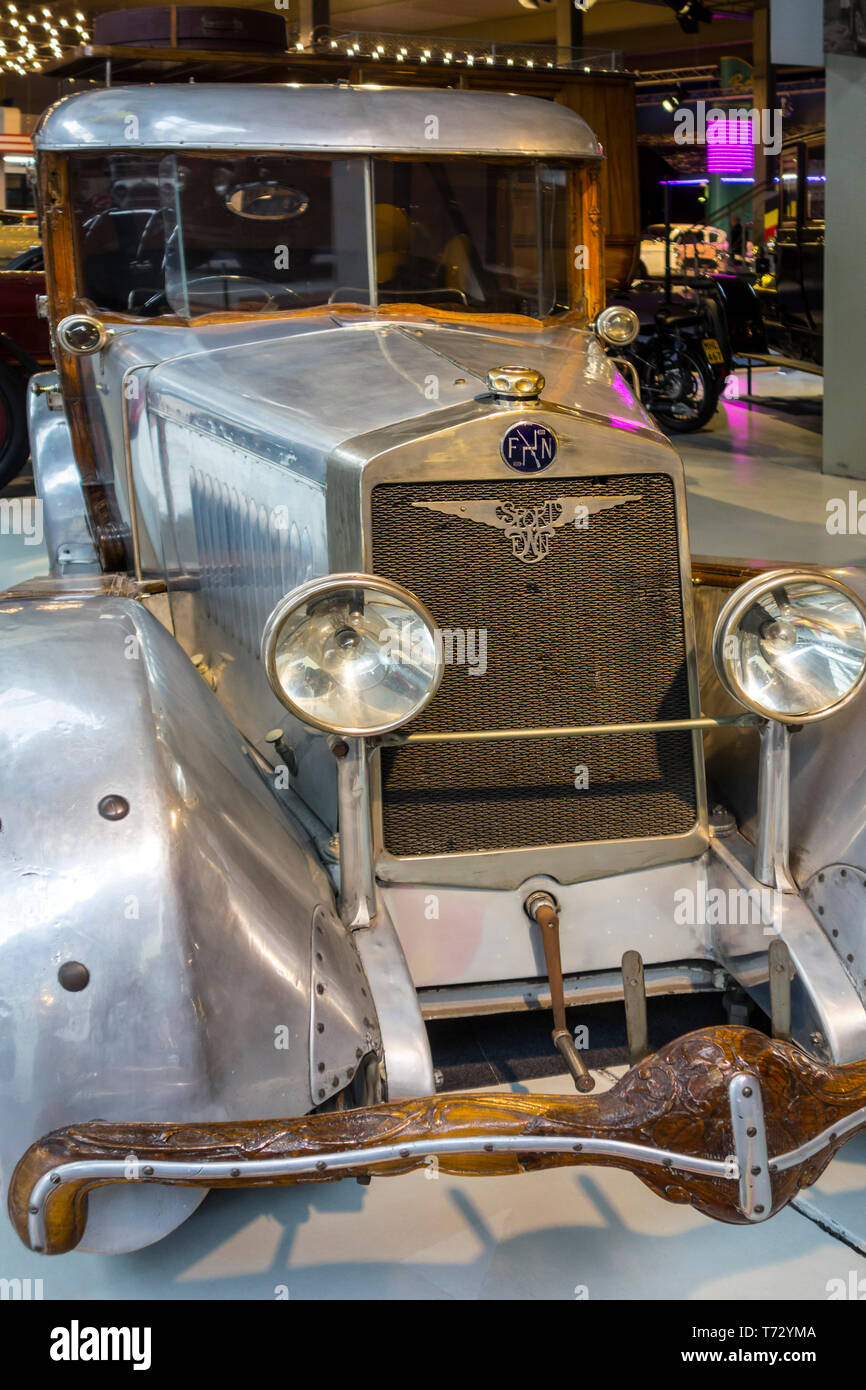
(423, 50)
(30, 37)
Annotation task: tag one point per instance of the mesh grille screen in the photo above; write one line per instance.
(591, 634)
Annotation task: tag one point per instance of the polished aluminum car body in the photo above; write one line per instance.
(253, 943)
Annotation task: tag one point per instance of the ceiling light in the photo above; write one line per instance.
(690, 14)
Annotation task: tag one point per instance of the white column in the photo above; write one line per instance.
(844, 275)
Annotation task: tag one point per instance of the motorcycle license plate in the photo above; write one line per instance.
(712, 350)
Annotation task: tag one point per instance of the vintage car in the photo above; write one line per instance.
(24, 349)
(694, 250)
(18, 232)
(371, 683)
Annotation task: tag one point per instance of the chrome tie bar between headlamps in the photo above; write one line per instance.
(658, 726)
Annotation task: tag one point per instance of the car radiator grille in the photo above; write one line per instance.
(591, 634)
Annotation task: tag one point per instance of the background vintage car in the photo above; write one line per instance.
(18, 233)
(692, 248)
(25, 348)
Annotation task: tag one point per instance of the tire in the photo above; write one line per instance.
(14, 444)
(699, 407)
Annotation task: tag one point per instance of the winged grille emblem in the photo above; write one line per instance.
(529, 529)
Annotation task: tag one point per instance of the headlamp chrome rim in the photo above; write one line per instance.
(101, 334)
(733, 611)
(603, 320)
(319, 588)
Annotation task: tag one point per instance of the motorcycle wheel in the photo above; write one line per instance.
(699, 396)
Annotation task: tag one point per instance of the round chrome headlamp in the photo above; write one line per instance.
(791, 646)
(352, 654)
(617, 326)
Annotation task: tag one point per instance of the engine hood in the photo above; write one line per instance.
(295, 394)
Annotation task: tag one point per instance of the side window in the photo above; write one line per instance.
(815, 183)
(120, 230)
(473, 235)
(788, 186)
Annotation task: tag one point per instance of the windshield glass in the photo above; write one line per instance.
(472, 235)
(193, 234)
(255, 234)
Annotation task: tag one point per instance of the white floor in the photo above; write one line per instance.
(755, 490)
(21, 556)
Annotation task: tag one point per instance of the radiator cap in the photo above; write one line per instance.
(515, 383)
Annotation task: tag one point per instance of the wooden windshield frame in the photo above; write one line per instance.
(585, 262)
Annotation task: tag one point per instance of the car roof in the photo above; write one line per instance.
(658, 228)
(316, 119)
(683, 227)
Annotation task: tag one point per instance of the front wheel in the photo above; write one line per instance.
(14, 447)
(686, 393)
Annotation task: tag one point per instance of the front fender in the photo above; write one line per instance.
(58, 481)
(187, 900)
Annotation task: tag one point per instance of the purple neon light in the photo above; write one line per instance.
(729, 147)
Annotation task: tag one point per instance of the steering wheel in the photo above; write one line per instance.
(270, 294)
(260, 287)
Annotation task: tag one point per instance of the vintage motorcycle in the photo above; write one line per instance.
(679, 356)
(373, 681)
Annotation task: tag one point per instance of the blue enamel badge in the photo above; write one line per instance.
(528, 447)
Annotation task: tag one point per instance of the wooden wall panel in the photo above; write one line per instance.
(609, 108)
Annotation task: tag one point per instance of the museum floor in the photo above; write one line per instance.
(755, 490)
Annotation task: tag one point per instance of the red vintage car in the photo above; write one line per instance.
(24, 349)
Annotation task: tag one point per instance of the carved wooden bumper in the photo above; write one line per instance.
(724, 1118)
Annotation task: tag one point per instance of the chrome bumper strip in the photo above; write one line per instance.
(821, 1141)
